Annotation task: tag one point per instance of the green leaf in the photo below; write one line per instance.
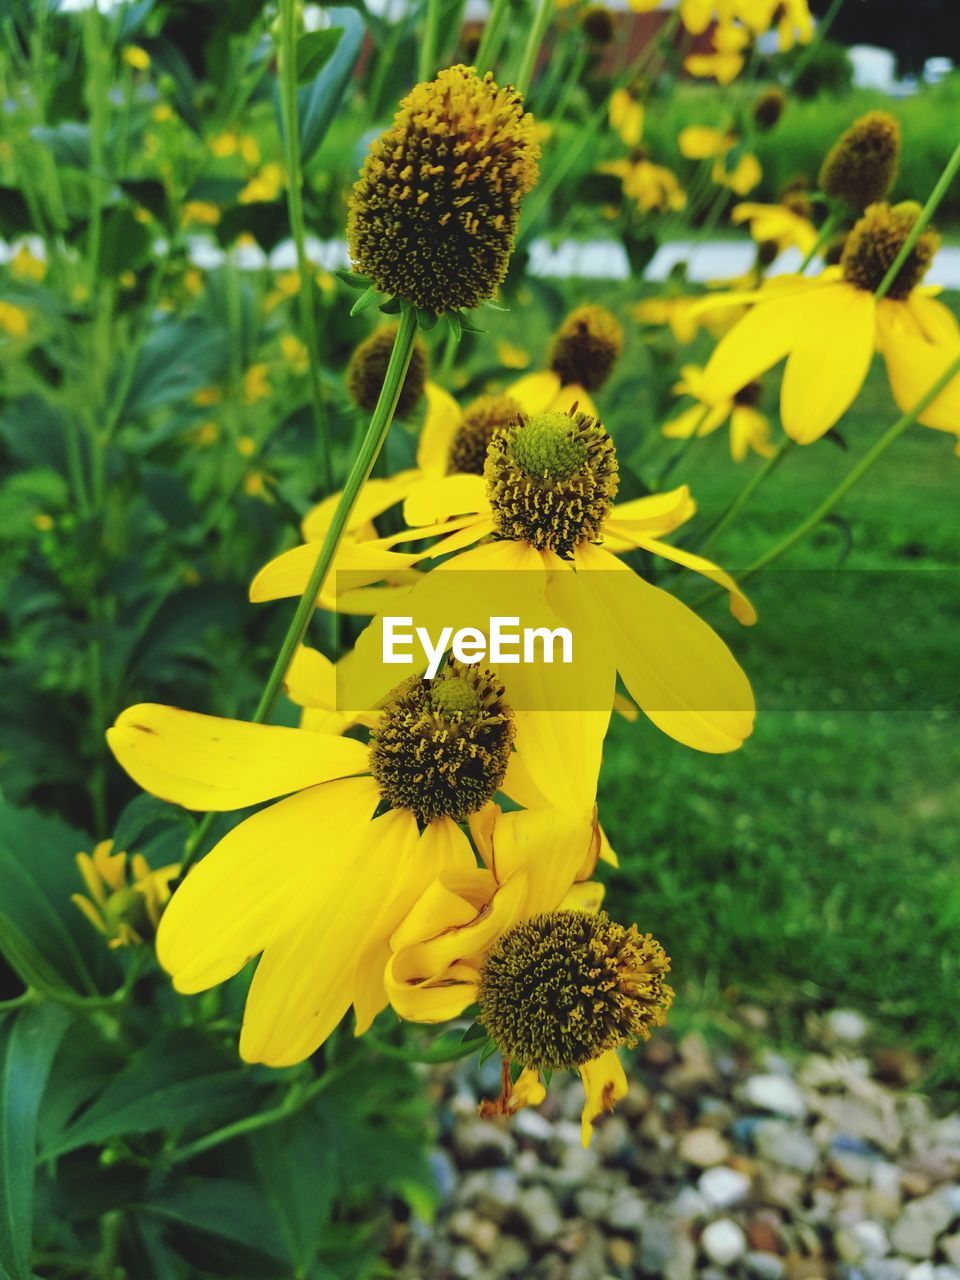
(225, 1208)
(426, 320)
(314, 51)
(320, 101)
(476, 1031)
(69, 141)
(176, 1082)
(454, 320)
(28, 1045)
(488, 1050)
(448, 1047)
(391, 307)
(365, 301)
(126, 242)
(178, 359)
(42, 934)
(298, 1167)
(352, 278)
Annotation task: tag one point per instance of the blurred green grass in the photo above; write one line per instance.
(819, 866)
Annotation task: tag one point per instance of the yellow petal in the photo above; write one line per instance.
(936, 322)
(828, 364)
(548, 846)
(206, 762)
(913, 366)
(657, 514)
(423, 1002)
(587, 896)
(304, 982)
(452, 900)
(376, 496)
(260, 878)
(363, 562)
(311, 680)
(699, 142)
(438, 498)
(536, 392)
(740, 606)
(761, 339)
(749, 429)
(573, 396)
(520, 786)
(676, 668)
(439, 428)
(604, 1084)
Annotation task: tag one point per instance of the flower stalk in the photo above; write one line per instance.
(929, 209)
(291, 147)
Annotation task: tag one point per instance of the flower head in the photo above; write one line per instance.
(586, 347)
(861, 166)
(125, 909)
(440, 748)
(872, 247)
(551, 480)
(597, 24)
(768, 107)
(564, 987)
(368, 367)
(434, 212)
(481, 420)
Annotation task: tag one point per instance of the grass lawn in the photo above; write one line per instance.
(819, 865)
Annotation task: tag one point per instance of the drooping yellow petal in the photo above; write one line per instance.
(573, 396)
(520, 786)
(676, 668)
(432, 1003)
(700, 142)
(452, 900)
(548, 846)
(418, 861)
(536, 392)
(913, 367)
(769, 330)
(259, 879)
(439, 428)
(740, 606)
(656, 514)
(749, 429)
(311, 680)
(828, 364)
(207, 762)
(604, 1084)
(936, 322)
(304, 982)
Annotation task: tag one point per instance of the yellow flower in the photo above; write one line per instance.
(749, 428)
(246, 446)
(163, 113)
(136, 57)
(650, 186)
(256, 384)
(511, 356)
(127, 279)
(125, 910)
(742, 178)
(224, 145)
(295, 353)
(206, 434)
(547, 500)
(728, 58)
(434, 212)
(829, 326)
(916, 356)
(43, 522)
(316, 881)
(249, 150)
(473, 937)
(207, 396)
(27, 266)
(701, 142)
(201, 212)
(265, 186)
(14, 320)
(626, 116)
(794, 23)
(777, 224)
(255, 484)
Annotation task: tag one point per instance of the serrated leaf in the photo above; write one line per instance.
(28, 1045)
(314, 51)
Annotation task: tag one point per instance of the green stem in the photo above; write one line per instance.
(831, 223)
(746, 493)
(926, 213)
(856, 473)
(97, 101)
(427, 64)
(291, 145)
(529, 60)
(675, 459)
(490, 40)
(573, 80)
(359, 472)
(823, 28)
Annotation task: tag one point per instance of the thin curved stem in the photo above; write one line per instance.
(291, 146)
(362, 466)
(491, 38)
(427, 64)
(539, 29)
(929, 209)
(746, 493)
(831, 222)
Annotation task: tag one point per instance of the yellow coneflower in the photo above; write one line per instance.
(317, 881)
(749, 428)
(652, 187)
(701, 142)
(724, 64)
(769, 107)
(368, 366)
(785, 225)
(434, 213)
(558, 985)
(126, 898)
(544, 510)
(829, 326)
(626, 116)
